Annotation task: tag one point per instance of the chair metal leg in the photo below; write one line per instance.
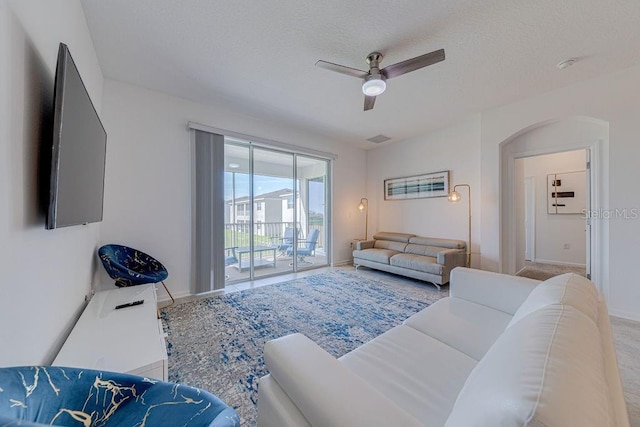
(170, 296)
(303, 261)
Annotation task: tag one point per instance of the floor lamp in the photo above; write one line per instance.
(364, 207)
(455, 197)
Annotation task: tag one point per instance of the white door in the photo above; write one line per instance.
(587, 227)
(529, 218)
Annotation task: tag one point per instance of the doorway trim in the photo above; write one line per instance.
(530, 212)
(598, 236)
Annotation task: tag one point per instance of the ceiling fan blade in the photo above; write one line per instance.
(413, 64)
(369, 101)
(353, 72)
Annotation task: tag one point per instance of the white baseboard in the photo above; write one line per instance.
(570, 264)
(341, 263)
(521, 270)
(163, 297)
(625, 315)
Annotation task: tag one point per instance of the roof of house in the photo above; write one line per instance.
(278, 194)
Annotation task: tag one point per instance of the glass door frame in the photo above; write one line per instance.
(251, 145)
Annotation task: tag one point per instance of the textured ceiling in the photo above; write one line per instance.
(258, 56)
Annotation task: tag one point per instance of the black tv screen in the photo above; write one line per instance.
(76, 189)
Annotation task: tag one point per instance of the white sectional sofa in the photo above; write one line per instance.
(499, 351)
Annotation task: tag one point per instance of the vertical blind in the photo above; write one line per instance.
(209, 221)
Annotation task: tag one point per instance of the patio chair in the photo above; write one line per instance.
(286, 241)
(307, 248)
(230, 259)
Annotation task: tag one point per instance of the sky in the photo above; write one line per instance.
(267, 184)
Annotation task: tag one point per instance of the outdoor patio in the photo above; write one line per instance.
(282, 266)
(274, 211)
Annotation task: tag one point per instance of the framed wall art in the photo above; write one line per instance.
(417, 187)
(566, 192)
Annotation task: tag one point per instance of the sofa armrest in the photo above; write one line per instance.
(499, 291)
(612, 371)
(365, 244)
(451, 258)
(325, 391)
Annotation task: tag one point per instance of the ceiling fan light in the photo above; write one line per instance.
(374, 86)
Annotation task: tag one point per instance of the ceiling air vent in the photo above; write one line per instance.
(378, 139)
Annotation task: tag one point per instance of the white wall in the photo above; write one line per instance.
(553, 232)
(148, 179)
(604, 109)
(456, 149)
(615, 99)
(45, 274)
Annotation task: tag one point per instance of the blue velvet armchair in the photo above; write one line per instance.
(130, 267)
(46, 395)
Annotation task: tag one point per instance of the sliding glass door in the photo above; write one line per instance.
(237, 210)
(311, 174)
(274, 225)
(275, 211)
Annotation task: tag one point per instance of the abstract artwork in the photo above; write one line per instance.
(567, 192)
(416, 187)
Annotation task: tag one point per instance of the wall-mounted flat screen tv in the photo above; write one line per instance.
(76, 189)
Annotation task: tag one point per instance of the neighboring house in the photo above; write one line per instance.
(274, 208)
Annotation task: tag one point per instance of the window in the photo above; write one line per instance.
(256, 228)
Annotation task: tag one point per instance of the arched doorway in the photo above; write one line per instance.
(549, 137)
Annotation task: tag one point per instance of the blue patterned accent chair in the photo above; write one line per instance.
(50, 395)
(130, 267)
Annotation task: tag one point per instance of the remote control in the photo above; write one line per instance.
(129, 304)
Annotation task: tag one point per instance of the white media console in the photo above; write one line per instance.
(129, 340)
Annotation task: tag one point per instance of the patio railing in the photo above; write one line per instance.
(264, 233)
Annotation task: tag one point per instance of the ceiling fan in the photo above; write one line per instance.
(374, 79)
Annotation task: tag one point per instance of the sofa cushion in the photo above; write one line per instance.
(419, 373)
(415, 249)
(389, 244)
(375, 255)
(394, 237)
(416, 262)
(464, 325)
(570, 289)
(442, 243)
(545, 370)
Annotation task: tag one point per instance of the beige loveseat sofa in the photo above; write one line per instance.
(423, 258)
(499, 351)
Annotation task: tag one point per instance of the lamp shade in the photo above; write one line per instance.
(454, 196)
(364, 208)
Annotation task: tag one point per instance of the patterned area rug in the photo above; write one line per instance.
(216, 343)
